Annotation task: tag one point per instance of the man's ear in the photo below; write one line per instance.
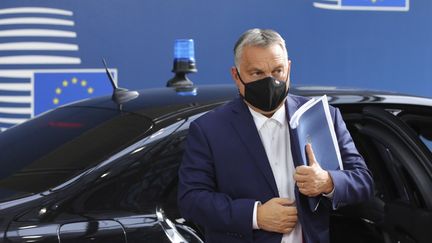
(289, 71)
(289, 67)
(235, 76)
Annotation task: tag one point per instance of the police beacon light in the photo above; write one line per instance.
(184, 63)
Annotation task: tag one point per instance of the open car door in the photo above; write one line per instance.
(402, 169)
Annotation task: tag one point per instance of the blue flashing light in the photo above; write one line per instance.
(184, 49)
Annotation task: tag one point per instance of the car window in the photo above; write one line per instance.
(147, 180)
(394, 166)
(424, 131)
(421, 123)
(143, 179)
(44, 152)
(372, 152)
(427, 141)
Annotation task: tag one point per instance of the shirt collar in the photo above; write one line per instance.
(259, 119)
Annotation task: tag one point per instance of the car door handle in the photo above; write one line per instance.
(168, 227)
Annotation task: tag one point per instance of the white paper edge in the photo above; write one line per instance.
(294, 122)
(332, 131)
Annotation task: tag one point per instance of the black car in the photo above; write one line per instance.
(101, 170)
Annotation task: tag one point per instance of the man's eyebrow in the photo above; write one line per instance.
(252, 69)
(278, 67)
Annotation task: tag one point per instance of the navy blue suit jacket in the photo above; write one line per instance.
(225, 170)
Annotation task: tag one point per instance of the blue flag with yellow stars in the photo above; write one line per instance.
(53, 89)
(375, 3)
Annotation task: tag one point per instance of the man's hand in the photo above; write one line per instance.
(277, 215)
(312, 180)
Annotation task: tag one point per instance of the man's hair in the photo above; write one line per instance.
(257, 37)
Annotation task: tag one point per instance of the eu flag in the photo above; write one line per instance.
(52, 89)
(374, 3)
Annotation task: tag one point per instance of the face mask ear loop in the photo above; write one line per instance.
(238, 73)
(287, 84)
(241, 82)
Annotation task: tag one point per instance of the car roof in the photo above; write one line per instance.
(362, 96)
(157, 102)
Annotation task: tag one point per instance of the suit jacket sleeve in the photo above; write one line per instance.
(198, 197)
(353, 184)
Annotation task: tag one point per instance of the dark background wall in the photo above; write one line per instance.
(368, 49)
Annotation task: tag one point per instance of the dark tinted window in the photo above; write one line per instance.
(424, 131)
(427, 140)
(44, 152)
(421, 123)
(392, 163)
(142, 179)
(150, 177)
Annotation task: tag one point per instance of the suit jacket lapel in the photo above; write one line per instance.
(245, 127)
(291, 106)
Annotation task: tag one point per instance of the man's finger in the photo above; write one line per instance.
(300, 177)
(303, 187)
(303, 170)
(292, 211)
(283, 201)
(303, 191)
(310, 155)
(286, 230)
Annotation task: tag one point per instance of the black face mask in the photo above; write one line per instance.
(265, 94)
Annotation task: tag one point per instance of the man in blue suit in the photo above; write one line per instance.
(238, 178)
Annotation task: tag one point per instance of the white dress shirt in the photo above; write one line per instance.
(274, 134)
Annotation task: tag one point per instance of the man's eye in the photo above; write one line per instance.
(256, 73)
(278, 73)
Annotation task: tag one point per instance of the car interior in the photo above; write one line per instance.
(399, 209)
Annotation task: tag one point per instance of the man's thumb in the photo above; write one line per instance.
(310, 154)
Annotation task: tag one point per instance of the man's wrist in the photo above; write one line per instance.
(329, 186)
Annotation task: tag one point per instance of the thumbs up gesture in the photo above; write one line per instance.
(312, 180)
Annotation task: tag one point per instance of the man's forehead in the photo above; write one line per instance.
(262, 57)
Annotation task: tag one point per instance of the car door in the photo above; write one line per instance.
(130, 197)
(94, 230)
(401, 165)
(46, 224)
(136, 194)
